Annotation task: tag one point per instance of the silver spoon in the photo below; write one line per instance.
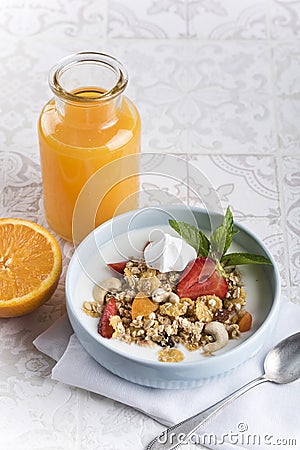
(282, 365)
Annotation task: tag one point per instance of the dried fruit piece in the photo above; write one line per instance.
(201, 278)
(142, 306)
(109, 310)
(166, 341)
(118, 266)
(222, 315)
(245, 322)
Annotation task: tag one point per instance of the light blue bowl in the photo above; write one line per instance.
(133, 363)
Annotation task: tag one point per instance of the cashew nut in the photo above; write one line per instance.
(159, 295)
(173, 298)
(218, 331)
(108, 285)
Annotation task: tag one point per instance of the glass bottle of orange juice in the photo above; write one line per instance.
(88, 124)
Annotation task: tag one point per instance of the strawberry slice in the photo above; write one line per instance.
(201, 278)
(118, 266)
(104, 328)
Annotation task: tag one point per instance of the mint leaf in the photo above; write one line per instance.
(218, 242)
(236, 259)
(192, 236)
(229, 227)
(221, 238)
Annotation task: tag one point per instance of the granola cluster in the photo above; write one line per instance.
(150, 313)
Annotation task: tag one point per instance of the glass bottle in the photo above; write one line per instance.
(88, 124)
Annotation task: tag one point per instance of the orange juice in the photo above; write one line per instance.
(80, 131)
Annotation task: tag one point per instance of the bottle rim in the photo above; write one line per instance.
(88, 57)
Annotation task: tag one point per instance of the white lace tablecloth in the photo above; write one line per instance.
(217, 83)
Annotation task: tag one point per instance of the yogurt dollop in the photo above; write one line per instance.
(169, 253)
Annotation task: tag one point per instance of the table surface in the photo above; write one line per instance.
(217, 84)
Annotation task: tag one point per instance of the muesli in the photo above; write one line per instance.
(185, 291)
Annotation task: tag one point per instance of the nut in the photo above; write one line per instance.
(159, 295)
(92, 309)
(220, 335)
(173, 298)
(109, 285)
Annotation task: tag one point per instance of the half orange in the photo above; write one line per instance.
(30, 266)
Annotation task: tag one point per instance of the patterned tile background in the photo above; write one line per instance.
(217, 84)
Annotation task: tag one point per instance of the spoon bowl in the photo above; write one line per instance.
(282, 363)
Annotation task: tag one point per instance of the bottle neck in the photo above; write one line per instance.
(88, 115)
(88, 89)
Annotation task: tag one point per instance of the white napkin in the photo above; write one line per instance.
(268, 414)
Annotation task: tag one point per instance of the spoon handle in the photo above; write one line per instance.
(173, 437)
